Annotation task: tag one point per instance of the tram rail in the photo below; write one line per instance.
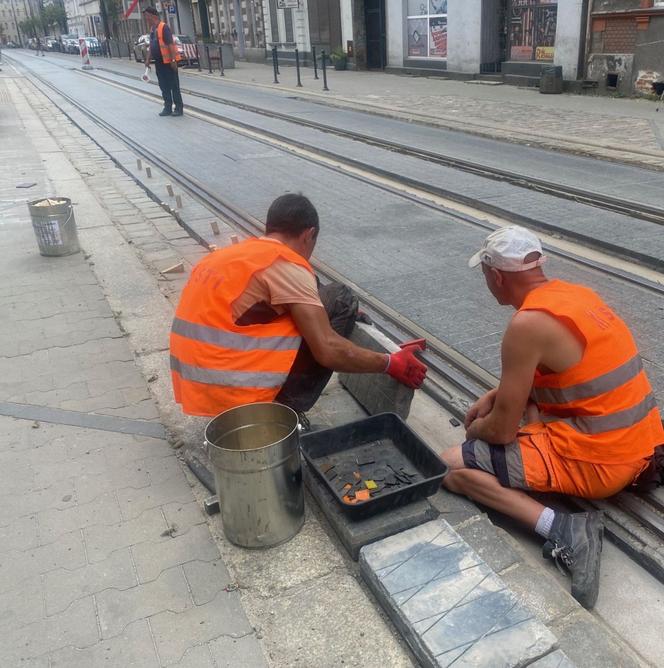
(635, 523)
(420, 190)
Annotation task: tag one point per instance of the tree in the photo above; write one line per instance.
(54, 15)
(30, 26)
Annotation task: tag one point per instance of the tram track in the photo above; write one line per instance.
(600, 200)
(634, 523)
(429, 194)
(630, 264)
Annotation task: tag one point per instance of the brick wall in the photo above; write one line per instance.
(619, 35)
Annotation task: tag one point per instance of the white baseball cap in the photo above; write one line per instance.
(507, 248)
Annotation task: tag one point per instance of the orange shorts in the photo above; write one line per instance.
(531, 463)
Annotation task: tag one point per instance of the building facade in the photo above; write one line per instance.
(626, 45)
(470, 37)
(12, 13)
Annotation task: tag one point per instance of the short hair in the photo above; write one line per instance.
(151, 10)
(291, 215)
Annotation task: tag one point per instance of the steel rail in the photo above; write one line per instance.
(436, 191)
(427, 188)
(634, 523)
(625, 206)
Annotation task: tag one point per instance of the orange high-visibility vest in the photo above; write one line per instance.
(601, 410)
(165, 48)
(216, 364)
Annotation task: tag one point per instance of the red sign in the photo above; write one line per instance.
(131, 9)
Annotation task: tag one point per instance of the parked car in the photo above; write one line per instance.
(11, 45)
(141, 45)
(187, 49)
(94, 47)
(71, 45)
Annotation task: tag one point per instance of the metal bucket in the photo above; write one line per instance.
(254, 450)
(54, 226)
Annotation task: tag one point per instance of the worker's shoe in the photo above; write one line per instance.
(165, 112)
(575, 544)
(178, 111)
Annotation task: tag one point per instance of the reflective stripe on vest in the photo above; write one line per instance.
(228, 378)
(602, 409)
(165, 48)
(225, 339)
(609, 381)
(215, 363)
(598, 424)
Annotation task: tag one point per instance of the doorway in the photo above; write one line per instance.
(374, 14)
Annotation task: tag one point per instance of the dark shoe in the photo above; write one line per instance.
(178, 112)
(575, 544)
(165, 112)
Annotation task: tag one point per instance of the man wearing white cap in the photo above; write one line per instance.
(573, 413)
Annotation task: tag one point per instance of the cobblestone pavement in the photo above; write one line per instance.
(625, 130)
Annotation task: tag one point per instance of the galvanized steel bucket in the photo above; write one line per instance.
(54, 226)
(254, 450)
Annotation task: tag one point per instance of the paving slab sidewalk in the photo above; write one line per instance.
(105, 556)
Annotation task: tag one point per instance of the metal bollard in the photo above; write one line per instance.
(207, 55)
(129, 53)
(274, 64)
(313, 53)
(198, 58)
(297, 67)
(221, 62)
(322, 60)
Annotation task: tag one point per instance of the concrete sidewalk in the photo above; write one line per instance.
(105, 555)
(620, 129)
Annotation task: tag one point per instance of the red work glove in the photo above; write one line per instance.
(405, 367)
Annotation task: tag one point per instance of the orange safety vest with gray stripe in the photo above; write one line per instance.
(216, 364)
(602, 410)
(164, 48)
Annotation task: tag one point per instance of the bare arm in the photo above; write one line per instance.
(329, 348)
(521, 353)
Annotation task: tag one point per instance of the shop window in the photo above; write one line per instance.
(427, 28)
(532, 29)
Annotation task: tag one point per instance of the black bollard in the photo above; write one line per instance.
(274, 64)
(313, 52)
(108, 50)
(129, 53)
(198, 58)
(322, 64)
(221, 62)
(207, 55)
(297, 67)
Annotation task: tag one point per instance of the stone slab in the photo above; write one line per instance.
(355, 534)
(449, 605)
(376, 392)
(557, 659)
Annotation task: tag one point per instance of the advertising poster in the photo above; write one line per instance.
(417, 38)
(438, 37)
(437, 6)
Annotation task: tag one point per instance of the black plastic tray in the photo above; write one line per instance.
(395, 442)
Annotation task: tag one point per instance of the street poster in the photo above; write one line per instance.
(417, 38)
(438, 37)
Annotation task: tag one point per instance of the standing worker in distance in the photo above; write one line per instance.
(163, 51)
(252, 326)
(572, 373)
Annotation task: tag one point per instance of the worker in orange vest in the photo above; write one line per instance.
(574, 412)
(253, 325)
(164, 53)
